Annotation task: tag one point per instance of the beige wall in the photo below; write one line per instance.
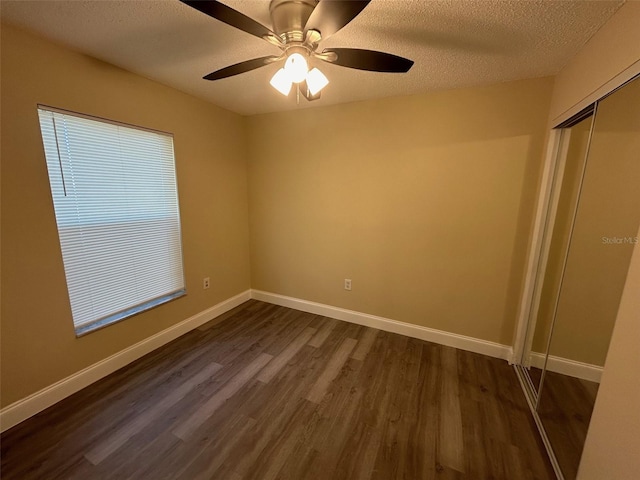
(425, 202)
(38, 342)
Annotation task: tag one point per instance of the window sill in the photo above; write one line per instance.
(115, 318)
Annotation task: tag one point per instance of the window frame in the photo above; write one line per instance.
(130, 311)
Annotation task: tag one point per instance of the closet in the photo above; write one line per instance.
(590, 226)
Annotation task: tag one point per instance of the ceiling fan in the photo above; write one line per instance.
(298, 27)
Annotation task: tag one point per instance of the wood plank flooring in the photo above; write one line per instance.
(274, 393)
(565, 408)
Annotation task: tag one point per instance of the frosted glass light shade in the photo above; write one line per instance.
(296, 67)
(281, 82)
(316, 81)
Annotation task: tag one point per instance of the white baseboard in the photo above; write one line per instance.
(27, 407)
(462, 342)
(565, 366)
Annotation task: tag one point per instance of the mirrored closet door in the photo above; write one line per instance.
(569, 170)
(591, 221)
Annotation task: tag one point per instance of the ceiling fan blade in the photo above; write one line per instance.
(228, 15)
(241, 67)
(329, 16)
(368, 60)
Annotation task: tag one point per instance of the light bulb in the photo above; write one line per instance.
(281, 82)
(316, 81)
(296, 67)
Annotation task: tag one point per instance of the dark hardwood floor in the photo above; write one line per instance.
(565, 408)
(274, 393)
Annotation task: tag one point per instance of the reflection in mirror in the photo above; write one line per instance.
(578, 140)
(600, 247)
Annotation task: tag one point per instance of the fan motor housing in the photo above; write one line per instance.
(289, 17)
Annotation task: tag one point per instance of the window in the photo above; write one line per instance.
(116, 205)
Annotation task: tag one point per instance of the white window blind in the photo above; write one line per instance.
(116, 206)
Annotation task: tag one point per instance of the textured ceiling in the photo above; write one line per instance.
(454, 43)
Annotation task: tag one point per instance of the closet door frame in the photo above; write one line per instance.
(544, 198)
(539, 245)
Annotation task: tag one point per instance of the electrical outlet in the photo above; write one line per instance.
(205, 283)
(347, 284)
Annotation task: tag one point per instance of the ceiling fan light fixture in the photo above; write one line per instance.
(296, 67)
(281, 82)
(316, 81)
(299, 26)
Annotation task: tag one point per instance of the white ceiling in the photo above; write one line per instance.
(454, 43)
